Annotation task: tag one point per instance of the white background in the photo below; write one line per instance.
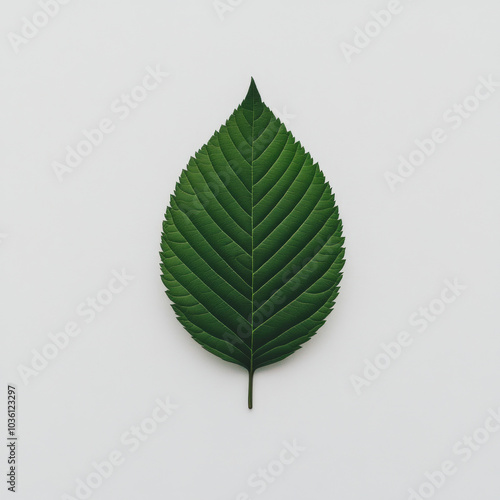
(62, 240)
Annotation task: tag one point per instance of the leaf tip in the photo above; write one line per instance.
(253, 95)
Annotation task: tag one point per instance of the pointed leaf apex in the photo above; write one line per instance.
(253, 96)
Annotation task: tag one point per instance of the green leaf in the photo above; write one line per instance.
(252, 246)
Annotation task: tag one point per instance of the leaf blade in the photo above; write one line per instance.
(252, 245)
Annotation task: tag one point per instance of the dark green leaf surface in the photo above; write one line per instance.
(252, 246)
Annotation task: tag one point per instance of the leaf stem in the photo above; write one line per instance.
(250, 389)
